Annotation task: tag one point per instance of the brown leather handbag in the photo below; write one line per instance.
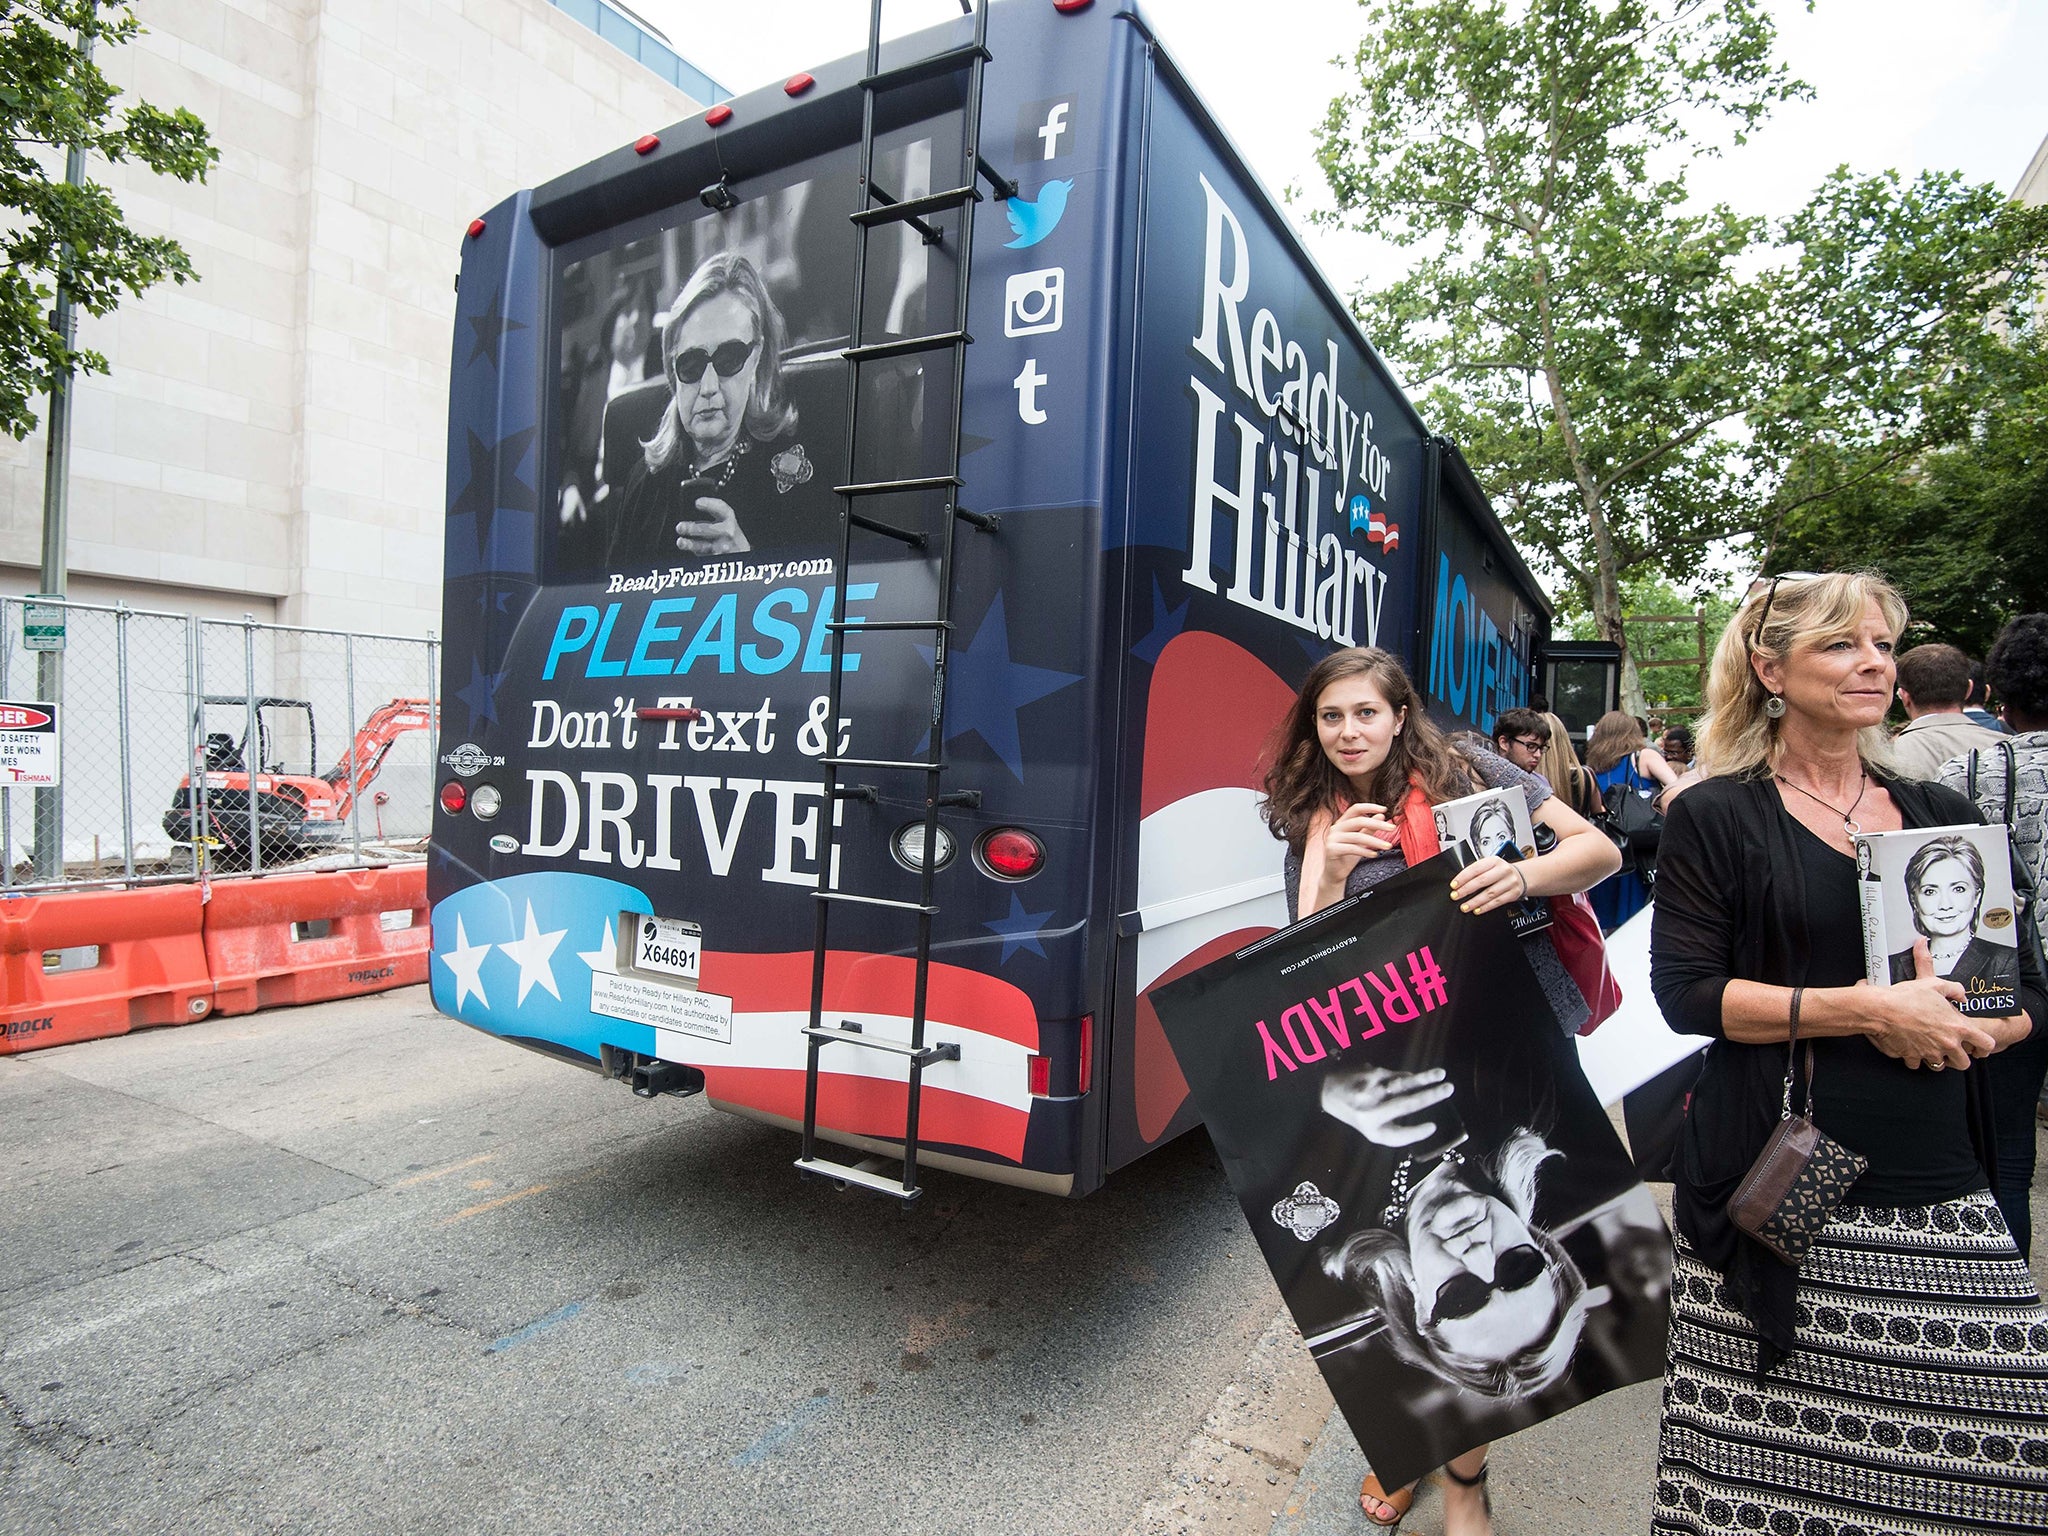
(1800, 1177)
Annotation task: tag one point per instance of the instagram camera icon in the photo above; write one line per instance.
(1034, 302)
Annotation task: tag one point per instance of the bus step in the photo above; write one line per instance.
(852, 1034)
(896, 487)
(930, 67)
(874, 901)
(904, 346)
(892, 209)
(862, 1175)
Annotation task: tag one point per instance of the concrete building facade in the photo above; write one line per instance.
(271, 438)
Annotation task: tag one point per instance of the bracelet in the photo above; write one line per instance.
(1524, 879)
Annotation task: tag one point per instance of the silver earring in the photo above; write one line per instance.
(1774, 706)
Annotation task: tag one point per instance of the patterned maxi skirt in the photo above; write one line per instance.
(1916, 1402)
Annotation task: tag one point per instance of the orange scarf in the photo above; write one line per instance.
(1416, 823)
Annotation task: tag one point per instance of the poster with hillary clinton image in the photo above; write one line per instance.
(1456, 1227)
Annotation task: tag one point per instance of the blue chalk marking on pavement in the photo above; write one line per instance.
(778, 1435)
(534, 1329)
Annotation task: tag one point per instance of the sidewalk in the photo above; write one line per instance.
(1588, 1473)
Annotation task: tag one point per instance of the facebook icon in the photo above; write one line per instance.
(1045, 129)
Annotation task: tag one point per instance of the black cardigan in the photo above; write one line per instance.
(1731, 903)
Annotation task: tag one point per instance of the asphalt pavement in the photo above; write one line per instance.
(357, 1268)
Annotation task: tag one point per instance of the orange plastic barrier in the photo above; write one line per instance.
(286, 939)
(78, 965)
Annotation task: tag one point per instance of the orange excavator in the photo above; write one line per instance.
(296, 814)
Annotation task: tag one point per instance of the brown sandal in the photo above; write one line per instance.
(1398, 1501)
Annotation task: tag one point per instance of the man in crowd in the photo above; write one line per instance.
(1934, 680)
(1976, 702)
(1519, 735)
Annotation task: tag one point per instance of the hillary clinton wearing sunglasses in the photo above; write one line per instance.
(724, 471)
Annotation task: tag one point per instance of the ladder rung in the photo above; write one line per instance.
(896, 487)
(846, 1173)
(874, 352)
(924, 1056)
(853, 624)
(898, 209)
(930, 67)
(874, 901)
(910, 536)
(882, 762)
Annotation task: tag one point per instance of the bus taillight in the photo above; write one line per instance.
(1010, 853)
(1087, 1052)
(453, 796)
(1041, 1077)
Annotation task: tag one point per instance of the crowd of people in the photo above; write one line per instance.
(1896, 1378)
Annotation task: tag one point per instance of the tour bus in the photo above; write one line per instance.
(886, 515)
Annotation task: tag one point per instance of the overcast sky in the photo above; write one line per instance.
(1895, 87)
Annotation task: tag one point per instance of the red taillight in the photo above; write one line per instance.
(476, 227)
(646, 144)
(1069, 7)
(1087, 1052)
(453, 797)
(718, 114)
(1041, 1077)
(796, 85)
(1009, 853)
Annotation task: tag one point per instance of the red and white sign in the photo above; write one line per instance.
(29, 753)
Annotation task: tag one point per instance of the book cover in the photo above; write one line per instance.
(1496, 822)
(1951, 886)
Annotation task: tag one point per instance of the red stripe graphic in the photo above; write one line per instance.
(1161, 1090)
(859, 983)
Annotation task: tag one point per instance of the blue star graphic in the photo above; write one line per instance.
(1166, 623)
(480, 695)
(987, 689)
(494, 483)
(1020, 930)
(489, 330)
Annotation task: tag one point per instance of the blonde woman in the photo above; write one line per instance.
(1623, 762)
(1897, 1380)
(1566, 775)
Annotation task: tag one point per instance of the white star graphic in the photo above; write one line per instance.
(604, 958)
(531, 951)
(466, 962)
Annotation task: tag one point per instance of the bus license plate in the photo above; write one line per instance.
(668, 945)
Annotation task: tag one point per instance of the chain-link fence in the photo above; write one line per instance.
(190, 743)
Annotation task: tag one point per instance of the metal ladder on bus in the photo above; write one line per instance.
(878, 210)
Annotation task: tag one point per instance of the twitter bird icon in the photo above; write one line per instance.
(1030, 221)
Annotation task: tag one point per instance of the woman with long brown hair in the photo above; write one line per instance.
(1623, 762)
(1355, 766)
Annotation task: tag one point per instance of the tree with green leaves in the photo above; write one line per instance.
(53, 98)
(1636, 379)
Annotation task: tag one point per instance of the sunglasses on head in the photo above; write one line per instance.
(1465, 1294)
(1769, 587)
(728, 359)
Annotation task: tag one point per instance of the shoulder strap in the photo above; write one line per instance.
(2012, 772)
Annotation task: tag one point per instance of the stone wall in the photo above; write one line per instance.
(277, 429)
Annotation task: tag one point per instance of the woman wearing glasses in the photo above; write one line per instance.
(1897, 1380)
(724, 471)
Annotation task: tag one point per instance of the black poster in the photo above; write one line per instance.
(1453, 1221)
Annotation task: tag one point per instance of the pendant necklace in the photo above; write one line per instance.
(1848, 817)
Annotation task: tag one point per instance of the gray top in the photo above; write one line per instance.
(1566, 1001)
(2029, 820)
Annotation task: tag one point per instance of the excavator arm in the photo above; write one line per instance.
(374, 740)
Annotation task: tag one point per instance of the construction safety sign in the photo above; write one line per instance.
(28, 744)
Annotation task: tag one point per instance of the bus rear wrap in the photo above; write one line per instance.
(1190, 477)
